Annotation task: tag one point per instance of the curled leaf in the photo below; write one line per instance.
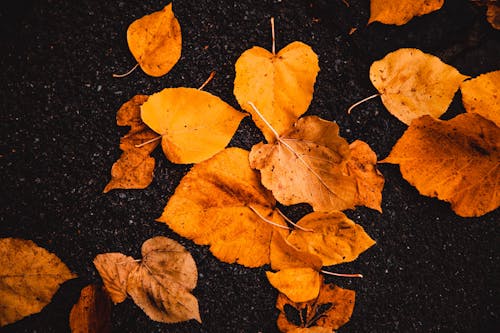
(400, 12)
(480, 95)
(134, 168)
(29, 277)
(281, 85)
(216, 203)
(298, 284)
(155, 41)
(456, 160)
(92, 312)
(413, 84)
(194, 124)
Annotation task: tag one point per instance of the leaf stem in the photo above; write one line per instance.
(293, 223)
(128, 73)
(210, 77)
(342, 274)
(361, 101)
(264, 120)
(148, 142)
(267, 220)
(273, 48)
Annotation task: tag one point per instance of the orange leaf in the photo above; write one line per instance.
(480, 95)
(413, 84)
(307, 164)
(194, 124)
(216, 203)
(134, 168)
(400, 12)
(330, 310)
(283, 255)
(92, 312)
(334, 238)
(493, 14)
(298, 284)
(280, 85)
(456, 160)
(29, 277)
(155, 41)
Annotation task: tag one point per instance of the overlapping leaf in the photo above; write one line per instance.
(400, 12)
(29, 277)
(481, 95)
(456, 160)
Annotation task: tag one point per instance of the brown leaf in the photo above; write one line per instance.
(280, 85)
(330, 310)
(194, 124)
(307, 164)
(29, 277)
(493, 14)
(299, 284)
(480, 95)
(456, 160)
(400, 12)
(155, 41)
(92, 312)
(362, 165)
(114, 269)
(134, 168)
(216, 203)
(413, 84)
(334, 238)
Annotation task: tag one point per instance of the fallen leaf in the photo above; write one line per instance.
(362, 165)
(400, 12)
(161, 285)
(280, 85)
(134, 168)
(307, 164)
(298, 284)
(194, 124)
(114, 269)
(92, 312)
(456, 160)
(283, 255)
(330, 310)
(216, 203)
(480, 95)
(334, 238)
(493, 14)
(155, 41)
(29, 277)
(413, 84)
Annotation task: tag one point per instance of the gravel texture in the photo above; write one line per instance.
(431, 271)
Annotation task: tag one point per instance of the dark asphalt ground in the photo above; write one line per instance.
(430, 271)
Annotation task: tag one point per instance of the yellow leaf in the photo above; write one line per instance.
(155, 41)
(92, 312)
(114, 269)
(413, 84)
(334, 238)
(134, 168)
(29, 277)
(362, 165)
(194, 124)
(283, 255)
(456, 160)
(216, 203)
(480, 95)
(400, 12)
(280, 85)
(298, 284)
(307, 164)
(330, 310)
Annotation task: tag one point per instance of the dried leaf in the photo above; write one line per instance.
(307, 164)
(114, 269)
(283, 255)
(362, 165)
(134, 168)
(400, 12)
(334, 238)
(456, 160)
(493, 14)
(92, 312)
(194, 124)
(280, 85)
(413, 84)
(212, 204)
(161, 286)
(29, 277)
(330, 310)
(155, 41)
(298, 284)
(480, 95)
